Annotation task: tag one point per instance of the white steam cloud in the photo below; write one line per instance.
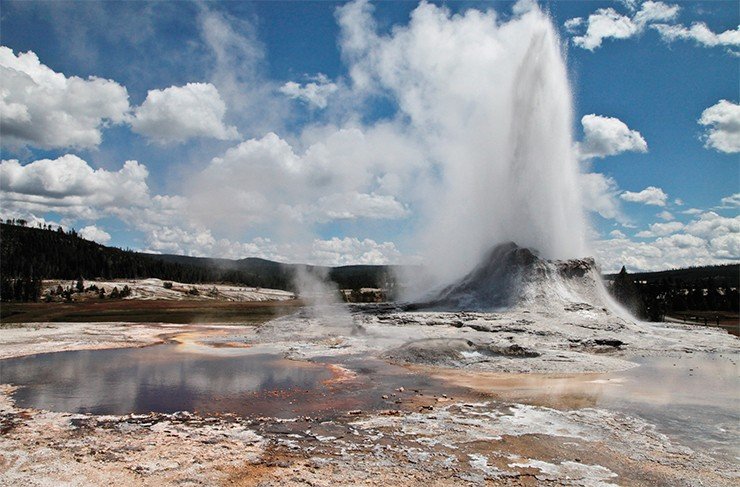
(491, 103)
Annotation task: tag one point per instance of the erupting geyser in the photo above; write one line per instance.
(507, 164)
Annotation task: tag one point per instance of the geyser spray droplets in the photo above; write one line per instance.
(492, 103)
(488, 103)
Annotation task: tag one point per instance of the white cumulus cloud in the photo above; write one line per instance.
(708, 239)
(608, 136)
(731, 201)
(69, 186)
(91, 232)
(607, 23)
(726, 246)
(661, 229)
(648, 196)
(340, 174)
(710, 225)
(315, 93)
(348, 250)
(723, 122)
(699, 33)
(178, 113)
(42, 108)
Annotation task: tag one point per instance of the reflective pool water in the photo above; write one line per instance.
(694, 398)
(199, 378)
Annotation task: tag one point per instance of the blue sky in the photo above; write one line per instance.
(191, 91)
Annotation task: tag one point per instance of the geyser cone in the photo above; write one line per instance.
(514, 277)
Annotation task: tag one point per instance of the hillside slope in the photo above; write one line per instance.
(48, 254)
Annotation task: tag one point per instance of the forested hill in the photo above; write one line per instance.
(27, 252)
(727, 275)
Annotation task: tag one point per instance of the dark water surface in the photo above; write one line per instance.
(169, 378)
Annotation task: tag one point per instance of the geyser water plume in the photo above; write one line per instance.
(493, 101)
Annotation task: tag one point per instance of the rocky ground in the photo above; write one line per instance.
(17, 340)
(148, 289)
(419, 438)
(576, 338)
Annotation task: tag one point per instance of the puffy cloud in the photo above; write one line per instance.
(654, 12)
(699, 33)
(608, 136)
(351, 206)
(572, 25)
(91, 232)
(178, 113)
(345, 173)
(710, 225)
(336, 251)
(601, 195)
(726, 246)
(692, 211)
(603, 24)
(684, 241)
(172, 239)
(197, 241)
(648, 196)
(347, 251)
(666, 215)
(723, 122)
(617, 234)
(731, 201)
(69, 186)
(42, 108)
(315, 93)
(664, 253)
(709, 239)
(607, 23)
(661, 229)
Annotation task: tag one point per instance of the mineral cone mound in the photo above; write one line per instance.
(514, 277)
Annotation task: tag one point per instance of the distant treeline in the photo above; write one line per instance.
(652, 295)
(29, 254)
